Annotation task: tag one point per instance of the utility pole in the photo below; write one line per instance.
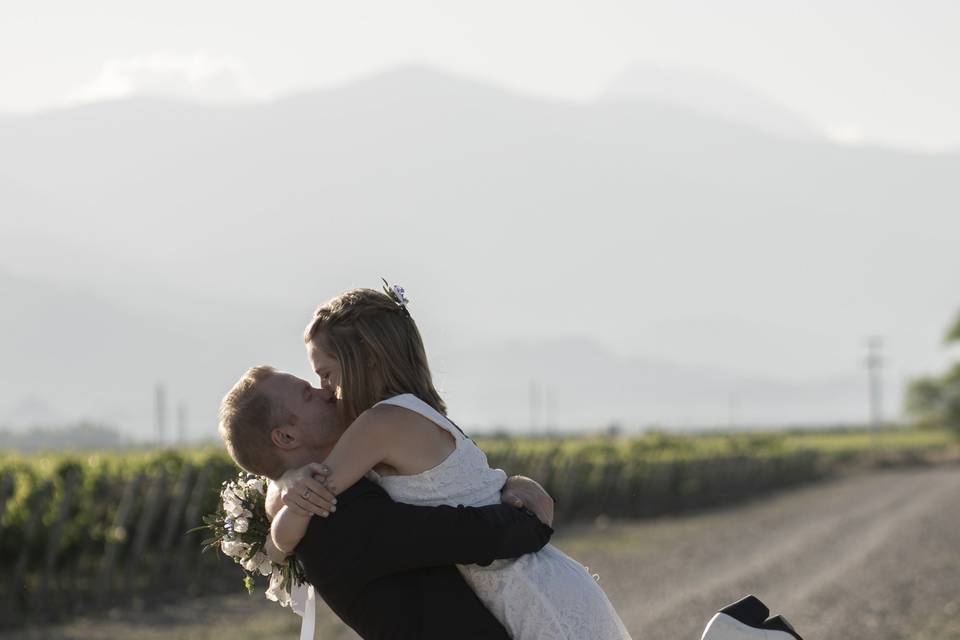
(874, 364)
(160, 415)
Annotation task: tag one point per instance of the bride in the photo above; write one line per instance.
(365, 345)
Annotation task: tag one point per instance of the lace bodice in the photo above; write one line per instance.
(463, 478)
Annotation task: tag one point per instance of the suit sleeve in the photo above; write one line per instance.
(412, 536)
(397, 537)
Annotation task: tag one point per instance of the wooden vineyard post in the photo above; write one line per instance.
(564, 489)
(544, 469)
(117, 536)
(189, 544)
(151, 507)
(7, 606)
(178, 500)
(6, 490)
(608, 503)
(56, 533)
(84, 583)
(38, 504)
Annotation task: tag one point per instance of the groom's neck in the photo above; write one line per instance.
(304, 456)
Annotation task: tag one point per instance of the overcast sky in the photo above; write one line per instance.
(874, 71)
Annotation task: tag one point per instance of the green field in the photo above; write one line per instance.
(662, 445)
(832, 449)
(83, 529)
(651, 445)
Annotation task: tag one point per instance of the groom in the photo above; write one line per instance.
(386, 568)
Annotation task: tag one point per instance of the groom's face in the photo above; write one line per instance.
(315, 409)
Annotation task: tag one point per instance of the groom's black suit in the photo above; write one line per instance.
(386, 568)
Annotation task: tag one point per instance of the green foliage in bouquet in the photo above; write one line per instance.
(240, 528)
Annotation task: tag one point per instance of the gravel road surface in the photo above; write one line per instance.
(870, 557)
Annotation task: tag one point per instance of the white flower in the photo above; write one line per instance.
(232, 506)
(241, 525)
(235, 509)
(259, 562)
(275, 591)
(266, 567)
(400, 293)
(234, 548)
(230, 492)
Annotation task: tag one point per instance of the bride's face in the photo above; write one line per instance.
(326, 366)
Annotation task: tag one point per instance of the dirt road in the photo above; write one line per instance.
(874, 557)
(869, 557)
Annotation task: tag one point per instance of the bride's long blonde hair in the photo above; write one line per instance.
(378, 347)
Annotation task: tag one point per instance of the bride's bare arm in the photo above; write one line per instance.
(273, 505)
(399, 438)
(369, 441)
(288, 529)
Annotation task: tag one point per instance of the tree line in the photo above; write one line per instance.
(935, 400)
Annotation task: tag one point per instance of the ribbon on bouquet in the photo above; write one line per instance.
(309, 625)
(303, 600)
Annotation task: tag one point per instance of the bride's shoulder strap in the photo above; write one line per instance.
(415, 404)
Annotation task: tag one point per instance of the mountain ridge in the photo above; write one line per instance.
(643, 229)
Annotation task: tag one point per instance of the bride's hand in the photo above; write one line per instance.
(303, 490)
(521, 491)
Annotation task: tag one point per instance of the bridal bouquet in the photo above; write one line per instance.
(240, 528)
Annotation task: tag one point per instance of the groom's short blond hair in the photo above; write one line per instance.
(247, 416)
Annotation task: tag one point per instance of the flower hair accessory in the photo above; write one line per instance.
(397, 294)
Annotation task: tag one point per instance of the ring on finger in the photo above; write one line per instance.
(306, 493)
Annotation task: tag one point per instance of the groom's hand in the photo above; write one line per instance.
(521, 491)
(303, 490)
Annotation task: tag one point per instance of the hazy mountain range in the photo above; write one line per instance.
(645, 262)
(708, 94)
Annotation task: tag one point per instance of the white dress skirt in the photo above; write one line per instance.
(545, 595)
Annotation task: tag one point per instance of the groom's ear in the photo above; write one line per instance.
(285, 437)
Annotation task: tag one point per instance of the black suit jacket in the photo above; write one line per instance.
(386, 568)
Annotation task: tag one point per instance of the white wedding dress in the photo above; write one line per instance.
(540, 596)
